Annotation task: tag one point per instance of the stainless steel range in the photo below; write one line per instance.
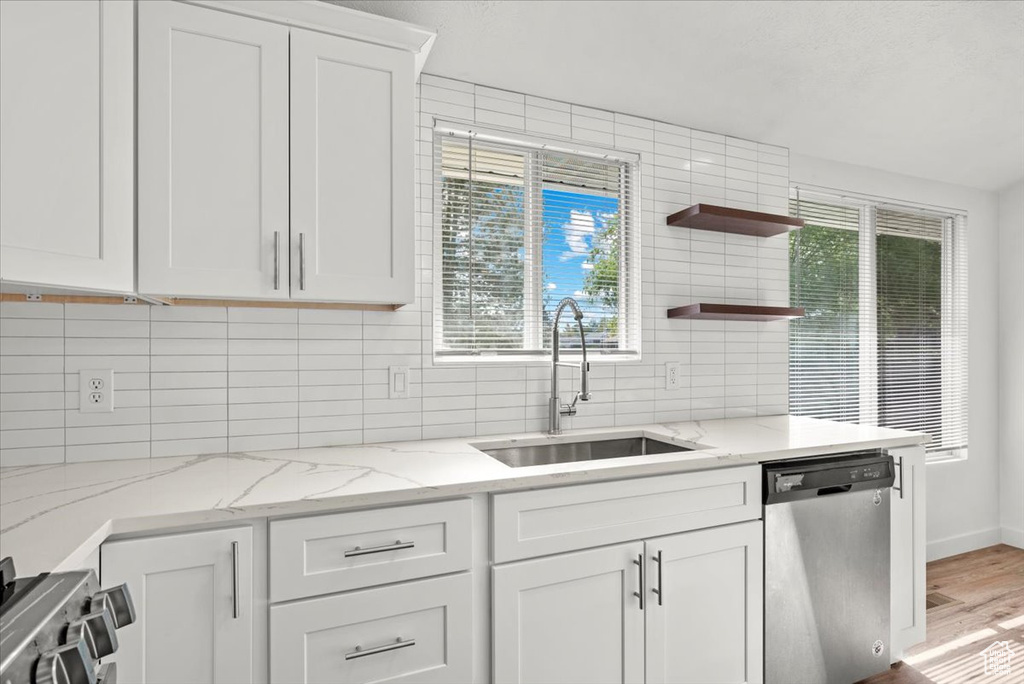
(56, 627)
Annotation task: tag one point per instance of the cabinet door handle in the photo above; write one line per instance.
(234, 579)
(359, 551)
(639, 563)
(899, 467)
(277, 260)
(302, 261)
(660, 590)
(360, 652)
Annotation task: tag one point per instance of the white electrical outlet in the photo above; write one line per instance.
(96, 391)
(398, 382)
(672, 375)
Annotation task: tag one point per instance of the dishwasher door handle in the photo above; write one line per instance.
(838, 489)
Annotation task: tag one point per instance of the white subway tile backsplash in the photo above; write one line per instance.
(106, 452)
(195, 380)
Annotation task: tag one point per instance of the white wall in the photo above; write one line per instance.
(205, 380)
(963, 502)
(1011, 363)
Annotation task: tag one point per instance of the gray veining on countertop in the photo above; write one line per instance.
(54, 516)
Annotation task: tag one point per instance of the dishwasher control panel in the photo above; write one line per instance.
(822, 476)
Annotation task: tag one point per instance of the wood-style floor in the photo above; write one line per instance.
(974, 599)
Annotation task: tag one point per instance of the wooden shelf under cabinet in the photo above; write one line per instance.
(740, 221)
(735, 312)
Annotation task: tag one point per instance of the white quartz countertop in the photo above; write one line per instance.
(52, 517)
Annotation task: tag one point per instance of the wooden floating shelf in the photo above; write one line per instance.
(735, 312)
(740, 221)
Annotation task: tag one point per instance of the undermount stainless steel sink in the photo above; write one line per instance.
(570, 452)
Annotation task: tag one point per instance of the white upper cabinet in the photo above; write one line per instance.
(66, 135)
(213, 153)
(353, 127)
(276, 162)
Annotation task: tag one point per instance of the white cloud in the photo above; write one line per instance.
(552, 286)
(577, 231)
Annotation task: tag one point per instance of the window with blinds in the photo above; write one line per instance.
(884, 341)
(521, 224)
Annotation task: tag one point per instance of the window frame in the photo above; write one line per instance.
(953, 233)
(630, 280)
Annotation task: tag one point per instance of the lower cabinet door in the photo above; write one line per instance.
(570, 618)
(410, 632)
(193, 604)
(705, 606)
(907, 551)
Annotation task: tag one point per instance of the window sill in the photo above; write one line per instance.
(951, 456)
(532, 360)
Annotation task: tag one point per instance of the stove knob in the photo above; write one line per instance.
(6, 571)
(118, 601)
(68, 664)
(107, 674)
(96, 630)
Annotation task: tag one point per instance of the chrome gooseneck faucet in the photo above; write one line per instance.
(556, 409)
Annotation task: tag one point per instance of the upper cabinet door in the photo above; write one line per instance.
(66, 131)
(352, 193)
(213, 153)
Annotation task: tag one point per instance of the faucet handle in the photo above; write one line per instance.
(584, 394)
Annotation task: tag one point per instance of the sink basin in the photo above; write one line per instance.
(570, 452)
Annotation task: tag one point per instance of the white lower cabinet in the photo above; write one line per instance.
(704, 606)
(907, 551)
(193, 596)
(410, 632)
(668, 609)
(577, 617)
(570, 618)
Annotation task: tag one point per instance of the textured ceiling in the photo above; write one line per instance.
(929, 89)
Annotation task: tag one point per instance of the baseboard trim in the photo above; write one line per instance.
(1013, 537)
(962, 543)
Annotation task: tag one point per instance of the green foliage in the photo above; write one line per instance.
(482, 265)
(825, 345)
(601, 281)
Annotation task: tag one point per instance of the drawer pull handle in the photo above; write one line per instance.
(358, 551)
(360, 653)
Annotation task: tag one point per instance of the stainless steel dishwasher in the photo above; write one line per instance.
(826, 568)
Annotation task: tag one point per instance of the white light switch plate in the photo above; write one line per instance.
(96, 391)
(398, 382)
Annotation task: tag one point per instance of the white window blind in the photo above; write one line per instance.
(884, 341)
(522, 224)
(824, 349)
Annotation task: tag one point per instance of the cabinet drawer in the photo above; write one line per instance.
(330, 553)
(416, 631)
(558, 519)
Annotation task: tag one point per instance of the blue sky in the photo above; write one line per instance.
(565, 252)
